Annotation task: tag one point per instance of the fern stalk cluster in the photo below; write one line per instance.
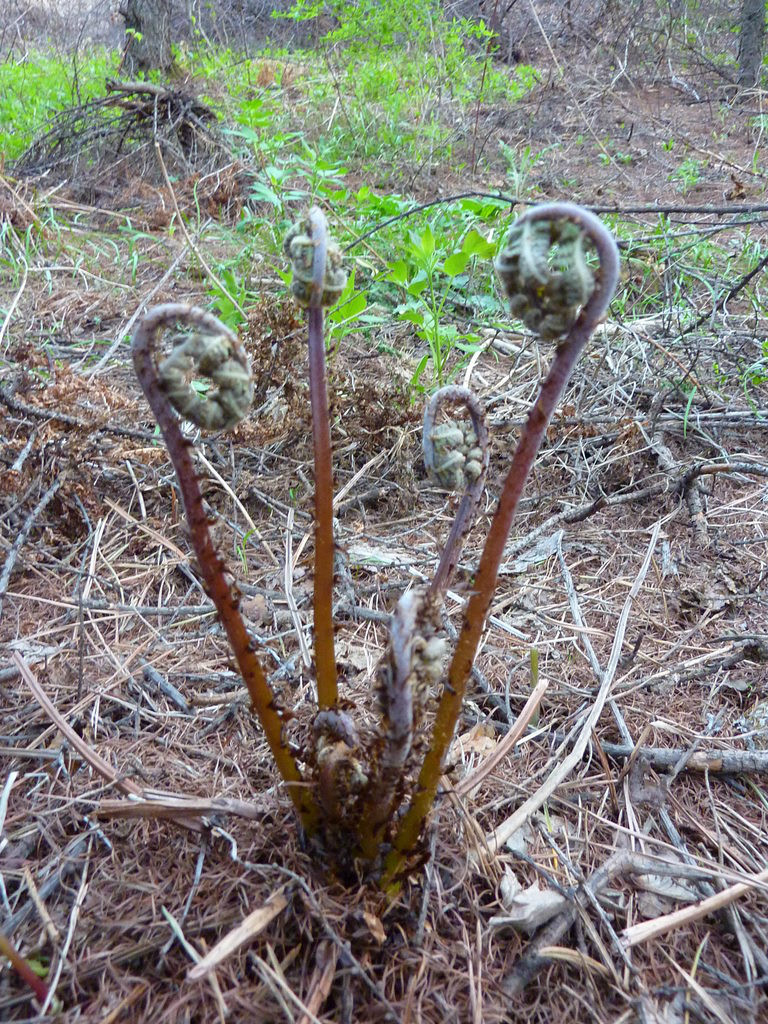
(363, 798)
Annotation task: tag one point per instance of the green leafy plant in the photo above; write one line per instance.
(242, 549)
(229, 296)
(756, 374)
(687, 174)
(345, 316)
(27, 970)
(391, 62)
(427, 276)
(354, 790)
(520, 165)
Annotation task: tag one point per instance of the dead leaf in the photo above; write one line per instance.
(375, 927)
(481, 739)
(755, 723)
(738, 191)
(255, 608)
(361, 553)
(355, 655)
(662, 1013)
(520, 841)
(529, 908)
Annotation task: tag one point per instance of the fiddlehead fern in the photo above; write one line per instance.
(357, 784)
(218, 356)
(456, 456)
(413, 664)
(310, 274)
(340, 773)
(545, 274)
(213, 351)
(318, 280)
(528, 268)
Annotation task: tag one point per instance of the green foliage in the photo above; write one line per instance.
(347, 315)
(520, 164)
(687, 174)
(234, 288)
(427, 275)
(241, 549)
(756, 374)
(398, 66)
(37, 87)
(311, 130)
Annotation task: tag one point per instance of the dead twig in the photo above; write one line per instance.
(507, 828)
(622, 862)
(725, 762)
(21, 537)
(648, 930)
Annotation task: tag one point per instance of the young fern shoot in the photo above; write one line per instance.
(350, 787)
(318, 281)
(212, 351)
(456, 456)
(551, 286)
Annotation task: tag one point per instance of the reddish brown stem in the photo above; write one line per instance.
(22, 968)
(325, 658)
(223, 594)
(485, 582)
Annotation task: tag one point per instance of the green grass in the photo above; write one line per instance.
(348, 127)
(36, 88)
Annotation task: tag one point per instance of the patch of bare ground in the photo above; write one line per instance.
(637, 572)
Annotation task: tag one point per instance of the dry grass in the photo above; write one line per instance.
(119, 894)
(104, 589)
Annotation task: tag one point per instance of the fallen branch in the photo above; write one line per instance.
(13, 403)
(670, 484)
(535, 958)
(647, 930)
(726, 762)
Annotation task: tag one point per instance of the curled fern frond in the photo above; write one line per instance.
(555, 296)
(412, 666)
(318, 280)
(544, 270)
(212, 350)
(455, 451)
(341, 774)
(299, 247)
(456, 455)
(218, 356)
